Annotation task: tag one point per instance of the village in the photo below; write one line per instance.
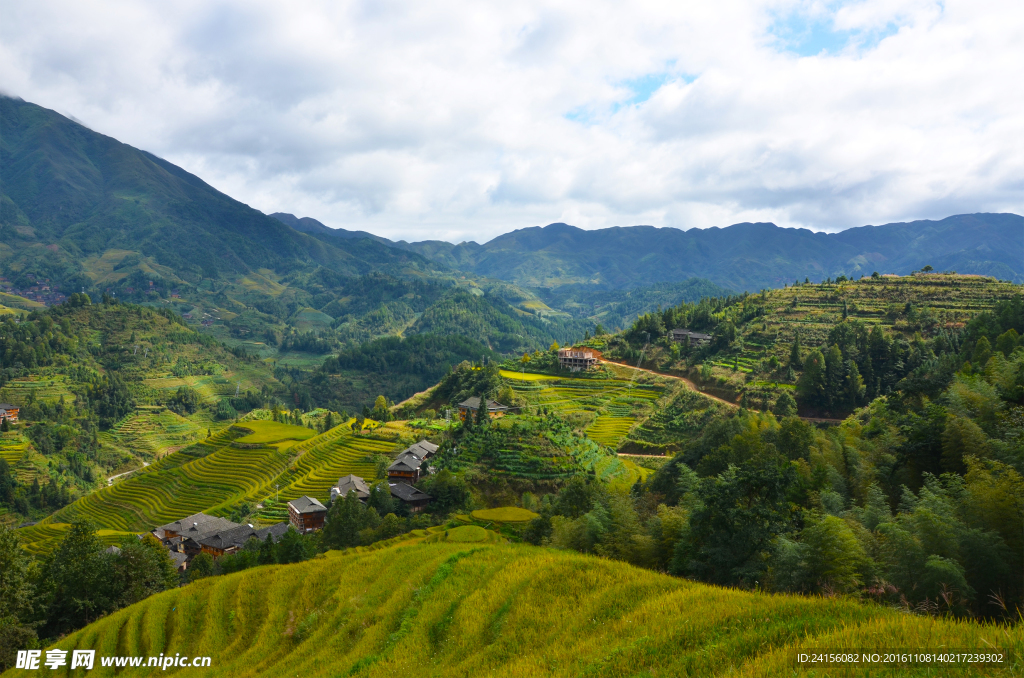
(189, 536)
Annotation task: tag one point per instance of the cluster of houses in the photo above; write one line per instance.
(200, 533)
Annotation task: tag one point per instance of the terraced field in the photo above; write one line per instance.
(49, 389)
(614, 400)
(322, 461)
(486, 608)
(153, 432)
(241, 464)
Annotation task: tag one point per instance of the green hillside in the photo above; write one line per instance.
(472, 609)
(897, 330)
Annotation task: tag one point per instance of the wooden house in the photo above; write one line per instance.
(350, 483)
(405, 469)
(469, 406)
(685, 336)
(306, 514)
(414, 498)
(9, 412)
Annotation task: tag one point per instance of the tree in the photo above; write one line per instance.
(794, 353)
(75, 582)
(741, 512)
(267, 553)
(15, 599)
(982, 352)
(785, 405)
(200, 567)
(141, 568)
(345, 519)
(960, 438)
(1007, 341)
(448, 492)
(293, 547)
(835, 557)
(380, 499)
(5, 425)
(813, 383)
(554, 347)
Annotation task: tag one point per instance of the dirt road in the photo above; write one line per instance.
(110, 480)
(686, 381)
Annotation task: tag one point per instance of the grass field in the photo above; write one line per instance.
(476, 608)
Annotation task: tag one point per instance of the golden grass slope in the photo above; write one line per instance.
(449, 609)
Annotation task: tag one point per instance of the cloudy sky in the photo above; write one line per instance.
(462, 120)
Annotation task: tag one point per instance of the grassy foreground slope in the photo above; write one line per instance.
(448, 609)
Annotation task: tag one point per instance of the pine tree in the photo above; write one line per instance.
(794, 353)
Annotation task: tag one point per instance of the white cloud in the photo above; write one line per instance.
(461, 120)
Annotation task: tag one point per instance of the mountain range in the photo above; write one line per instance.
(747, 256)
(83, 211)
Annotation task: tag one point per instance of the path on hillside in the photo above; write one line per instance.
(689, 384)
(110, 480)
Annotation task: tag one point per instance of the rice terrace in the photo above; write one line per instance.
(354, 400)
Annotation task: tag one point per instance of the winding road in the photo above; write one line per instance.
(110, 480)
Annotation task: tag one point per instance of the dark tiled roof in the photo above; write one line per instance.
(8, 406)
(178, 558)
(407, 462)
(474, 404)
(408, 493)
(236, 536)
(422, 449)
(198, 525)
(277, 530)
(352, 483)
(307, 504)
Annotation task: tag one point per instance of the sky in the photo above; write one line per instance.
(457, 120)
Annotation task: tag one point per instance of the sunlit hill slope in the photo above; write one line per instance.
(458, 609)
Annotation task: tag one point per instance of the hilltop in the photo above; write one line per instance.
(470, 609)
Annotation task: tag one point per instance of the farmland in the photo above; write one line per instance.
(240, 466)
(617, 404)
(452, 609)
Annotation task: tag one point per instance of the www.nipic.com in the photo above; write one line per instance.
(85, 659)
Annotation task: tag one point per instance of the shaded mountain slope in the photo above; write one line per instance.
(87, 193)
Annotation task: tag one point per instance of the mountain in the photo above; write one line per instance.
(751, 256)
(69, 193)
(747, 256)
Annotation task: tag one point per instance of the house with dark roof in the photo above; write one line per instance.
(306, 514)
(351, 483)
(685, 336)
(405, 469)
(180, 560)
(195, 526)
(414, 498)
(424, 449)
(9, 412)
(469, 406)
(233, 539)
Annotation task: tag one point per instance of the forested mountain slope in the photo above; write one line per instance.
(741, 257)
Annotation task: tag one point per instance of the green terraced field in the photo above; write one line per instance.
(615, 400)
(218, 474)
(154, 431)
